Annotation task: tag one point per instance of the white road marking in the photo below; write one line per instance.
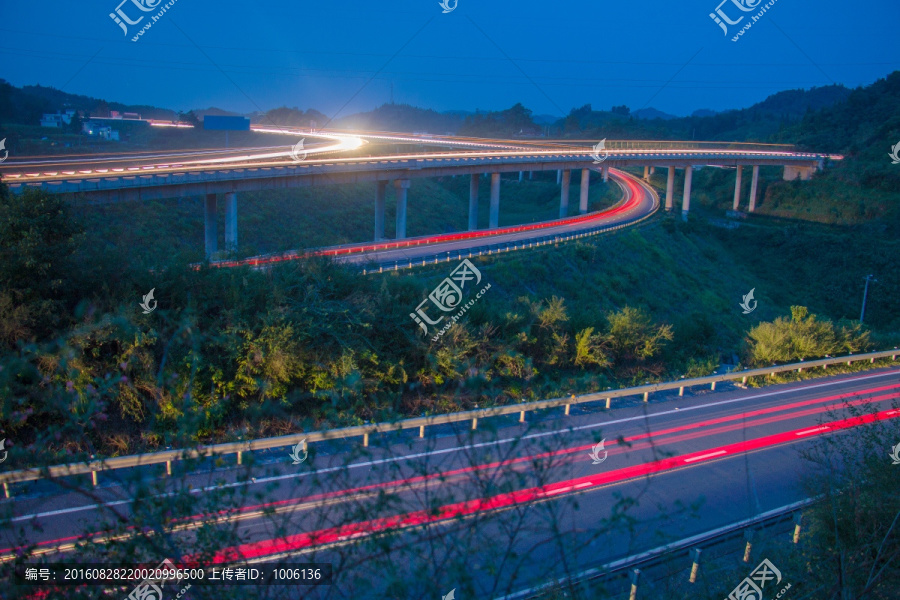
(372, 463)
(811, 431)
(710, 455)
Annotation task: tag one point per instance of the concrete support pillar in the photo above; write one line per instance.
(521, 176)
(585, 188)
(564, 194)
(605, 170)
(495, 201)
(686, 200)
(231, 232)
(473, 201)
(530, 175)
(209, 225)
(380, 193)
(753, 186)
(652, 170)
(670, 188)
(558, 176)
(737, 189)
(646, 173)
(402, 186)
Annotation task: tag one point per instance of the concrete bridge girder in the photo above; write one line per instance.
(232, 181)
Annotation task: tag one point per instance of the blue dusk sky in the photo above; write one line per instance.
(347, 56)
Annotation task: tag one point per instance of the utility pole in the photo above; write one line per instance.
(866, 296)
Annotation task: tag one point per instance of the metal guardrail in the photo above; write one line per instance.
(759, 521)
(490, 249)
(168, 456)
(342, 166)
(355, 250)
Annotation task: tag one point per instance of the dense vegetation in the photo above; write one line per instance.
(261, 351)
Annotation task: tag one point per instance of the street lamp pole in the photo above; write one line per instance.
(862, 314)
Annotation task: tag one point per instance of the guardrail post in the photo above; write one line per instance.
(6, 490)
(748, 535)
(568, 406)
(646, 396)
(169, 468)
(798, 519)
(696, 566)
(873, 360)
(635, 576)
(608, 403)
(522, 417)
(365, 440)
(713, 386)
(744, 380)
(474, 423)
(421, 431)
(94, 478)
(681, 391)
(240, 457)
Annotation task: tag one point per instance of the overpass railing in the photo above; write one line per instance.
(490, 249)
(167, 457)
(689, 145)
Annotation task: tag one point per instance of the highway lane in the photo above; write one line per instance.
(677, 425)
(556, 537)
(78, 166)
(639, 201)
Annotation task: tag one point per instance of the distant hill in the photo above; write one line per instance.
(216, 112)
(864, 127)
(26, 104)
(756, 123)
(401, 117)
(293, 117)
(652, 113)
(512, 122)
(545, 119)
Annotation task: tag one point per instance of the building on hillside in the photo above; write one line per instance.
(58, 119)
(105, 132)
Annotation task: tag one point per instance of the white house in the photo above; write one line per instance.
(58, 119)
(103, 131)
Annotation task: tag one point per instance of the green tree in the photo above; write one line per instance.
(802, 336)
(634, 337)
(38, 237)
(591, 349)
